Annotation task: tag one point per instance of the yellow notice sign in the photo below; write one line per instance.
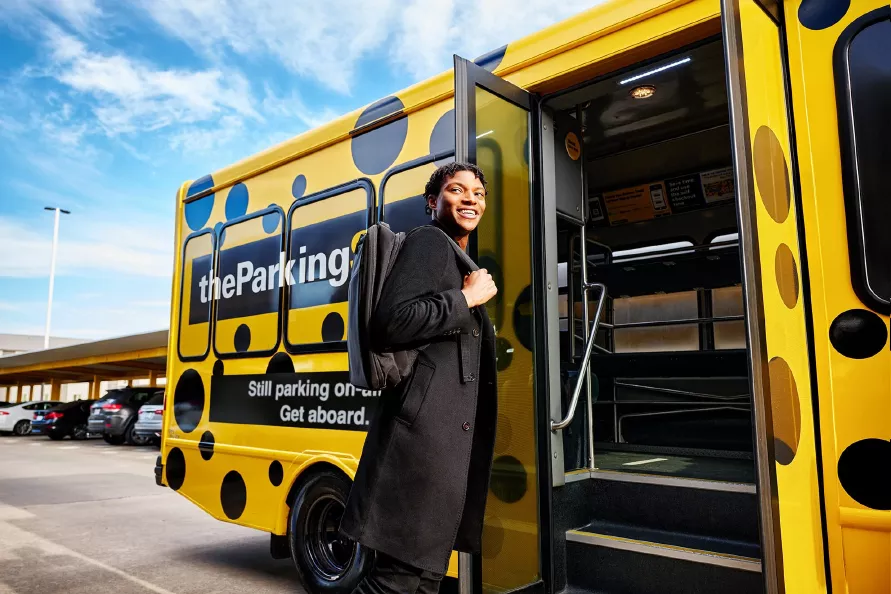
(573, 148)
(640, 203)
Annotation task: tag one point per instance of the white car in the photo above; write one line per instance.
(16, 418)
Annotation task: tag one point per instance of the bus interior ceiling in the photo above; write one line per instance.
(669, 381)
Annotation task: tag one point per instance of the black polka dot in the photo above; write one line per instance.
(822, 14)
(280, 363)
(175, 469)
(862, 471)
(443, 136)
(188, 400)
(333, 327)
(491, 60)
(271, 221)
(523, 318)
(508, 481)
(858, 334)
(205, 446)
(242, 338)
(218, 368)
(782, 452)
(375, 151)
(233, 495)
(504, 353)
(276, 473)
(298, 186)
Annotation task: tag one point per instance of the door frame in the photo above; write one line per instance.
(468, 76)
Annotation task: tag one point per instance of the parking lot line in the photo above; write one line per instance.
(69, 447)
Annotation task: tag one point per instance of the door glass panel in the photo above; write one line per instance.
(510, 548)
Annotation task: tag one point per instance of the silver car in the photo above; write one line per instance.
(151, 416)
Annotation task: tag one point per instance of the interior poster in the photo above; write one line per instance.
(640, 203)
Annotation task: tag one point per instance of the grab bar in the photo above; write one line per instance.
(589, 348)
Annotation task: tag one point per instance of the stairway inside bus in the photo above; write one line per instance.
(668, 505)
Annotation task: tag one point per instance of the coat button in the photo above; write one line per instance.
(466, 426)
(476, 332)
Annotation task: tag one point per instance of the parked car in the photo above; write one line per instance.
(16, 418)
(151, 416)
(37, 422)
(67, 419)
(114, 415)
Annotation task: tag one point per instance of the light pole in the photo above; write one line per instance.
(49, 305)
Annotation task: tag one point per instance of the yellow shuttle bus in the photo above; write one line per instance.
(688, 223)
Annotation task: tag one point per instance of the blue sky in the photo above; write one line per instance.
(108, 106)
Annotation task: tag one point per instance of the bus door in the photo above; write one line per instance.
(495, 128)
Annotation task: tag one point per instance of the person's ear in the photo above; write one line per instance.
(431, 203)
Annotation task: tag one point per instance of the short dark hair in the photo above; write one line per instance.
(444, 172)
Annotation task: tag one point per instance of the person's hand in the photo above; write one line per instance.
(479, 287)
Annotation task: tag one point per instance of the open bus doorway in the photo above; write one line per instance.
(659, 455)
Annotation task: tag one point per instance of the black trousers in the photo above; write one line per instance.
(391, 576)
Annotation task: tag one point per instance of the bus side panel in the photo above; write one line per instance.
(225, 448)
(854, 394)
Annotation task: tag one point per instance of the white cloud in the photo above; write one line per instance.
(293, 106)
(131, 96)
(321, 40)
(326, 41)
(429, 32)
(103, 247)
(78, 14)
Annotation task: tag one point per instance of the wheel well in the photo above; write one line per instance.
(308, 473)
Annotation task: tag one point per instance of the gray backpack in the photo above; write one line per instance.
(376, 254)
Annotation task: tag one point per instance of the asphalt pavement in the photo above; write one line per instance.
(87, 517)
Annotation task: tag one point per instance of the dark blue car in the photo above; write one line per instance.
(38, 420)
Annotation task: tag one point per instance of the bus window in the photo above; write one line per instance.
(248, 286)
(324, 229)
(404, 207)
(194, 313)
(645, 312)
(864, 83)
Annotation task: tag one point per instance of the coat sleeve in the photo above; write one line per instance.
(412, 310)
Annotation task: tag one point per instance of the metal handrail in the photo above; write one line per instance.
(589, 348)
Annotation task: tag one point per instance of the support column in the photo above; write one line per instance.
(153, 379)
(94, 388)
(55, 390)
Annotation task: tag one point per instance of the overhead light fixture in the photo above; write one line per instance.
(643, 92)
(655, 70)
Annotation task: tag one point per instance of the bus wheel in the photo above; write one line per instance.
(325, 560)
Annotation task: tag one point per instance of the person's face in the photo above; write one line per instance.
(461, 202)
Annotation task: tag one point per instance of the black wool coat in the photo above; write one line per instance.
(420, 489)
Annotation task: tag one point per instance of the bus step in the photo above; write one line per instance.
(612, 557)
(670, 504)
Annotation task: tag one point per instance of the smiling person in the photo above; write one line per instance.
(420, 489)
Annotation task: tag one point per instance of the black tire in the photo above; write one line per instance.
(325, 561)
(113, 439)
(132, 438)
(56, 436)
(22, 428)
(79, 432)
